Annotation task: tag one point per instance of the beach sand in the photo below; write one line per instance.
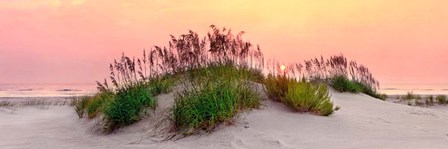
(362, 122)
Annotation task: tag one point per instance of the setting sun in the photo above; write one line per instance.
(282, 67)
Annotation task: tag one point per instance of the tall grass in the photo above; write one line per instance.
(341, 74)
(127, 106)
(343, 84)
(211, 103)
(409, 96)
(307, 97)
(277, 86)
(95, 105)
(301, 96)
(133, 82)
(5, 103)
(80, 104)
(441, 99)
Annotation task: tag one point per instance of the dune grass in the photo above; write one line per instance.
(127, 106)
(442, 99)
(308, 97)
(301, 96)
(6, 103)
(95, 104)
(218, 73)
(343, 84)
(277, 86)
(216, 95)
(409, 96)
(80, 104)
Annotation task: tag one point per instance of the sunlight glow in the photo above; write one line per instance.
(282, 67)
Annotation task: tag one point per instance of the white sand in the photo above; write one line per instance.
(362, 122)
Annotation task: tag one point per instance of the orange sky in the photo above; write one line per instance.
(72, 41)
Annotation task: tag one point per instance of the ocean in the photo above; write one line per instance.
(46, 90)
(70, 90)
(423, 89)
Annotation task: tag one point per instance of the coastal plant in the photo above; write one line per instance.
(308, 97)
(80, 104)
(6, 103)
(133, 82)
(277, 86)
(418, 97)
(162, 84)
(96, 103)
(409, 96)
(431, 98)
(441, 99)
(343, 84)
(337, 71)
(127, 106)
(211, 101)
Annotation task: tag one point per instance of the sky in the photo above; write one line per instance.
(73, 41)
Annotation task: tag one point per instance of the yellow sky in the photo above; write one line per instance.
(395, 38)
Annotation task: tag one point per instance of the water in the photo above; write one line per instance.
(46, 90)
(424, 89)
(69, 90)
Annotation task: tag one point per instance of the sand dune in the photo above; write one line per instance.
(362, 122)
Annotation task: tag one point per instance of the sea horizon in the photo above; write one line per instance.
(80, 89)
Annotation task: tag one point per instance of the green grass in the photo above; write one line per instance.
(214, 98)
(343, 84)
(162, 84)
(276, 86)
(127, 106)
(96, 103)
(80, 104)
(122, 107)
(441, 99)
(308, 97)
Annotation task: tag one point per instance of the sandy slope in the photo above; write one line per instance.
(363, 122)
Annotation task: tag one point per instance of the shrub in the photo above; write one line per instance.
(409, 96)
(127, 106)
(383, 96)
(80, 104)
(442, 99)
(212, 101)
(343, 84)
(418, 97)
(96, 103)
(5, 103)
(276, 86)
(307, 97)
(430, 97)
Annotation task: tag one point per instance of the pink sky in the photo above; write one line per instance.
(72, 41)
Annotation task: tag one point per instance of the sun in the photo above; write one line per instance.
(282, 67)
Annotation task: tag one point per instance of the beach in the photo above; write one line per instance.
(362, 122)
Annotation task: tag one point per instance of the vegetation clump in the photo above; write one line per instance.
(337, 71)
(277, 86)
(5, 103)
(308, 97)
(343, 84)
(441, 99)
(410, 95)
(127, 106)
(212, 101)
